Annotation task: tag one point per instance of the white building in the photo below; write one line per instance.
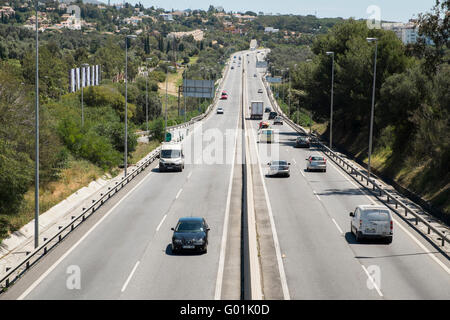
(270, 29)
(408, 33)
(166, 16)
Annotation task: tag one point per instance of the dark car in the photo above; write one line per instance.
(267, 109)
(272, 115)
(302, 142)
(191, 233)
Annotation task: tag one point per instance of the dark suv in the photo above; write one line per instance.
(272, 115)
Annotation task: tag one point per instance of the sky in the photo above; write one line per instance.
(390, 10)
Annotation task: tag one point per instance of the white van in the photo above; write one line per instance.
(371, 221)
(266, 135)
(171, 157)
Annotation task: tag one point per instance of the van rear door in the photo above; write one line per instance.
(377, 222)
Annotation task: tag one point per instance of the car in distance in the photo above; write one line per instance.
(264, 125)
(219, 110)
(265, 135)
(171, 157)
(254, 75)
(223, 97)
(272, 115)
(371, 221)
(260, 90)
(278, 120)
(316, 162)
(191, 233)
(232, 67)
(302, 142)
(278, 168)
(267, 109)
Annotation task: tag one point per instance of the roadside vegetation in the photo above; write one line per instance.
(412, 111)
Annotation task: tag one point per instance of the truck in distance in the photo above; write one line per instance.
(256, 110)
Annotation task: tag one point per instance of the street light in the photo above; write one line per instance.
(146, 95)
(36, 177)
(331, 53)
(184, 89)
(132, 36)
(84, 65)
(373, 104)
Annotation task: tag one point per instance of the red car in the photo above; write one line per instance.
(224, 97)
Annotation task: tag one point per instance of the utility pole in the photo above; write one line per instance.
(146, 95)
(126, 103)
(331, 53)
(36, 176)
(373, 104)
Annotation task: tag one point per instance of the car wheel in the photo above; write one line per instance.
(357, 236)
(205, 249)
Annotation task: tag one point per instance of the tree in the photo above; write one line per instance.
(436, 26)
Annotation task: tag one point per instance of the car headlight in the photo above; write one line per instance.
(199, 241)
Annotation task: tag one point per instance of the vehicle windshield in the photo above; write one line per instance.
(189, 226)
(376, 215)
(316, 158)
(279, 163)
(170, 154)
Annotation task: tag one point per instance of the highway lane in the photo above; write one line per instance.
(322, 259)
(128, 256)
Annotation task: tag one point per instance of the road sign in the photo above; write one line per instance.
(198, 88)
(273, 79)
(168, 137)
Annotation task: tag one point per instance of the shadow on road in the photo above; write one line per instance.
(169, 252)
(351, 239)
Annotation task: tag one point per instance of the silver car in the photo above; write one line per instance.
(316, 162)
(278, 168)
(219, 110)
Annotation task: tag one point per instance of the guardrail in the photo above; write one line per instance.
(383, 195)
(32, 257)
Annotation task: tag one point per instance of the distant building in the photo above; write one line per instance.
(196, 34)
(166, 16)
(7, 11)
(270, 29)
(408, 33)
(133, 20)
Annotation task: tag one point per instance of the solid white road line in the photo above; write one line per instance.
(160, 224)
(339, 228)
(223, 246)
(371, 280)
(129, 277)
(49, 270)
(425, 249)
(274, 230)
(179, 192)
(317, 195)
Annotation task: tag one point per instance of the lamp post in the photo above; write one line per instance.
(373, 104)
(146, 95)
(36, 177)
(331, 53)
(83, 66)
(184, 89)
(310, 111)
(132, 36)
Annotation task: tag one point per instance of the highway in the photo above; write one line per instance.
(126, 254)
(322, 260)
